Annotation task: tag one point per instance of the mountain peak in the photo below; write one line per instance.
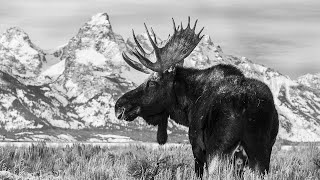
(207, 40)
(95, 51)
(16, 31)
(100, 19)
(96, 35)
(16, 35)
(310, 80)
(18, 55)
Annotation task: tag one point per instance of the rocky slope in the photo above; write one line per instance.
(30, 107)
(310, 80)
(76, 85)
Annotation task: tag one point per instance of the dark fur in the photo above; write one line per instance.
(238, 110)
(219, 105)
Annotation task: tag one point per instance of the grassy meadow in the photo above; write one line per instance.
(79, 162)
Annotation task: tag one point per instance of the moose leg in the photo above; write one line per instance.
(260, 161)
(221, 144)
(259, 153)
(199, 156)
(198, 150)
(198, 166)
(258, 139)
(239, 160)
(224, 151)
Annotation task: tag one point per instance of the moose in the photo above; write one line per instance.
(222, 108)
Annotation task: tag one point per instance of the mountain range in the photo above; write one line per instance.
(68, 93)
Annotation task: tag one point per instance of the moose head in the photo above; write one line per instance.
(154, 100)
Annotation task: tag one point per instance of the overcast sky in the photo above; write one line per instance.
(281, 34)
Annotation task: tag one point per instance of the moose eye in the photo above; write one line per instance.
(152, 84)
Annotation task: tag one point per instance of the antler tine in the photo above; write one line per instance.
(200, 32)
(195, 24)
(134, 64)
(144, 61)
(174, 25)
(137, 42)
(156, 49)
(188, 22)
(154, 36)
(150, 39)
(181, 26)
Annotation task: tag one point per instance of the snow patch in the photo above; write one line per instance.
(55, 70)
(66, 124)
(90, 56)
(66, 137)
(6, 100)
(110, 138)
(106, 136)
(72, 88)
(99, 19)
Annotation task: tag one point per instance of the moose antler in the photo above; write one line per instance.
(177, 48)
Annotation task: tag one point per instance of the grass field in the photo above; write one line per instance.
(140, 162)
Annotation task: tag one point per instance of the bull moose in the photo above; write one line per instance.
(222, 108)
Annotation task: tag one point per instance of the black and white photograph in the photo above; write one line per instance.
(159, 90)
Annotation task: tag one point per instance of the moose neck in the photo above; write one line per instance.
(191, 84)
(188, 86)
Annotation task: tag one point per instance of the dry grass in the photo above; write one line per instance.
(137, 162)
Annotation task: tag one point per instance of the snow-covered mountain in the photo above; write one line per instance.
(31, 107)
(310, 80)
(76, 85)
(19, 56)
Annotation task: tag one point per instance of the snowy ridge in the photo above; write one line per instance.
(310, 80)
(19, 56)
(76, 85)
(27, 107)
